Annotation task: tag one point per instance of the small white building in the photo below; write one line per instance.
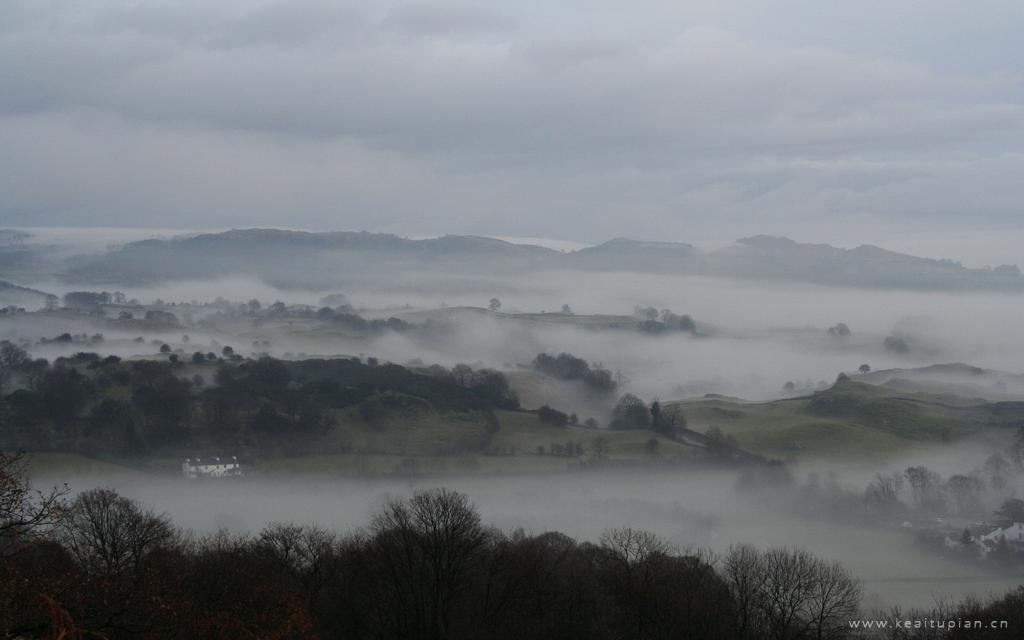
(1013, 535)
(211, 468)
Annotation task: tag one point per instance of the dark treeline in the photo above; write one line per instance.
(654, 321)
(425, 567)
(356, 322)
(117, 305)
(93, 404)
(566, 366)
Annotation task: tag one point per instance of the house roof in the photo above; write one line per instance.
(212, 460)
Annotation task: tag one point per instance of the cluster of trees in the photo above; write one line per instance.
(807, 387)
(971, 494)
(70, 338)
(90, 404)
(896, 344)
(153, 316)
(356, 322)
(90, 300)
(426, 567)
(839, 330)
(630, 412)
(654, 321)
(555, 417)
(995, 618)
(720, 443)
(489, 384)
(566, 366)
(335, 309)
(160, 316)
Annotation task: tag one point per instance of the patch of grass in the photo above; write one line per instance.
(407, 431)
(49, 463)
(850, 420)
(397, 465)
(523, 432)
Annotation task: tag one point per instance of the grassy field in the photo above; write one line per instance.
(421, 443)
(850, 420)
(410, 431)
(520, 435)
(395, 465)
(73, 464)
(404, 449)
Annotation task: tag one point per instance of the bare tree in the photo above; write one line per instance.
(24, 512)
(786, 594)
(965, 491)
(307, 552)
(424, 547)
(997, 466)
(1016, 450)
(744, 573)
(925, 486)
(109, 534)
(835, 596)
(806, 597)
(884, 491)
(630, 546)
(658, 592)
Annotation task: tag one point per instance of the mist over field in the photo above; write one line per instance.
(436, 320)
(755, 336)
(876, 427)
(690, 509)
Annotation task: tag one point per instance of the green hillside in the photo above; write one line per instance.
(522, 444)
(850, 420)
(341, 414)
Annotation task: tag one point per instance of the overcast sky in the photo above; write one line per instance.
(690, 121)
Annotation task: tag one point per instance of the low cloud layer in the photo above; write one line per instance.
(697, 122)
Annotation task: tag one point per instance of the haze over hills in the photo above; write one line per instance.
(442, 320)
(315, 259)
(18, 296)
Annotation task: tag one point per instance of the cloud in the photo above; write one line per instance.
(519, 120)
(447, 20)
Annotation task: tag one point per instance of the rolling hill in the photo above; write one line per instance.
(18, 296)
(853, 420)
(322, 260)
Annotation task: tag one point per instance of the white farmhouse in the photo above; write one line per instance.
(211, 468)
(1013, 535)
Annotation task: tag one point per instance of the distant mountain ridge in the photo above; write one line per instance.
(864, 266)
(291, 258)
